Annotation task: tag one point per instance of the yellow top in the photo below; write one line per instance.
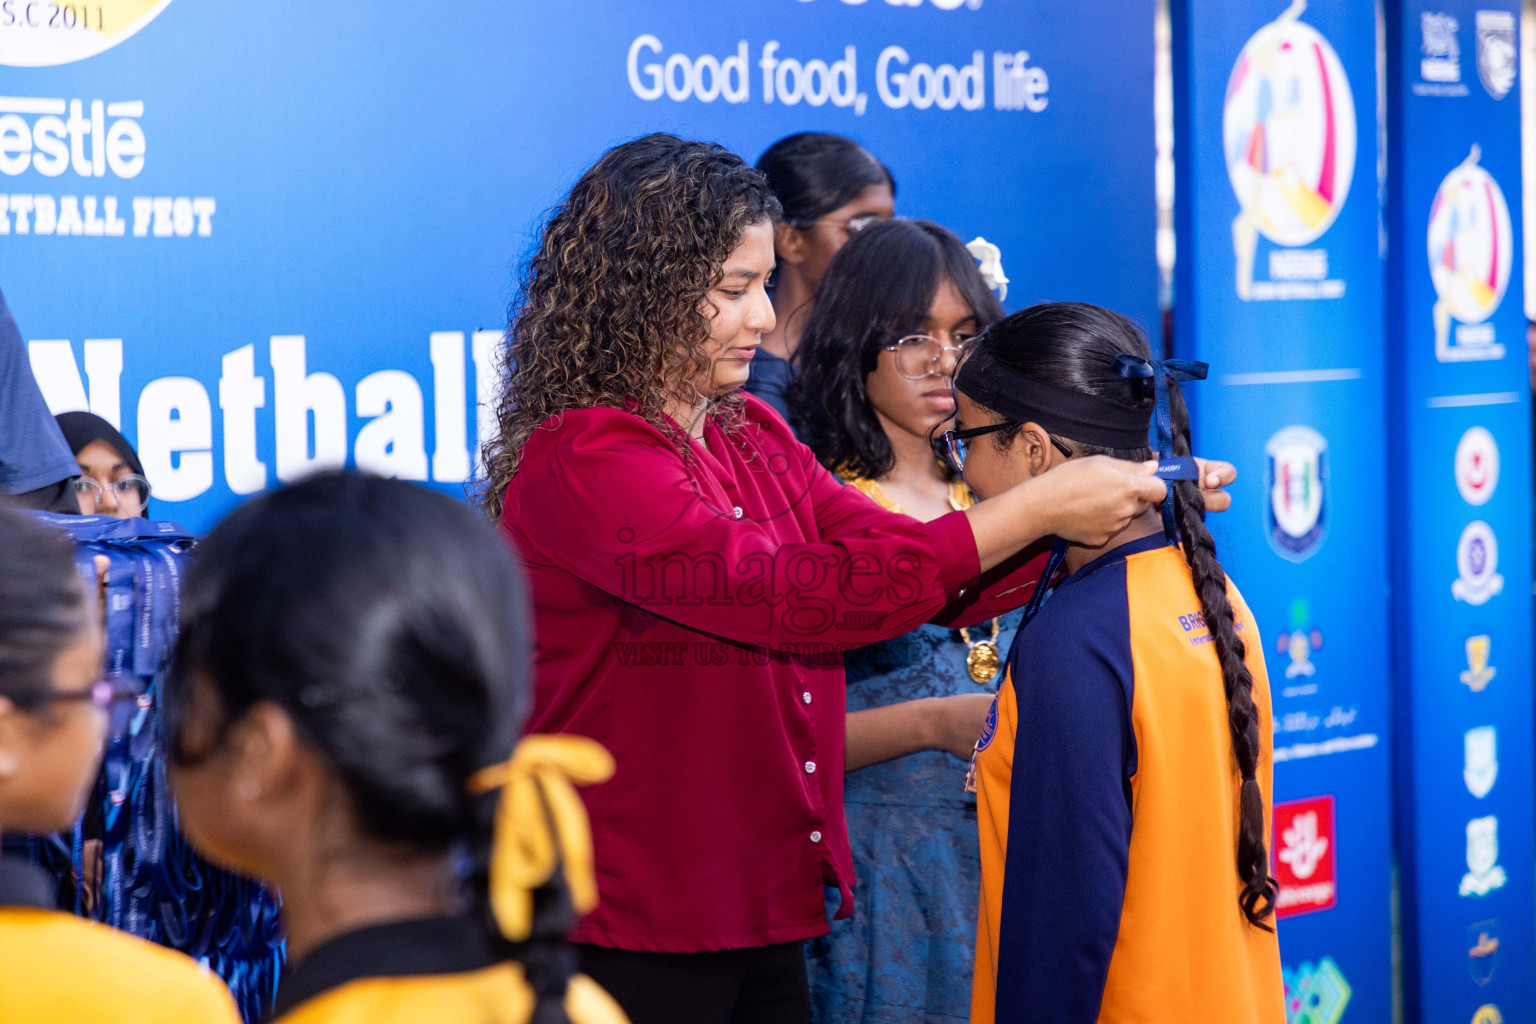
(55, 967)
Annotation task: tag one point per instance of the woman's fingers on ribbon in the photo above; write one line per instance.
(1214, 478)
(1100, 496)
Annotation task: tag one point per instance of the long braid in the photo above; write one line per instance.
(1259, 888)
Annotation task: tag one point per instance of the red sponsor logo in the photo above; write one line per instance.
(1305, 856)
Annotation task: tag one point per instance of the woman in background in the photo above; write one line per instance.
(1124, 778)
(54, 706)
(351, 680)
(111, 480)
(830, 187)
(893, 312)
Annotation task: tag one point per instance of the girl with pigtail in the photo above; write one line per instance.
(350, 685)
(1124, 772)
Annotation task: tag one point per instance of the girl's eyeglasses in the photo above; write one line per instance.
(102, 694)
(918, 355)
(858, 222)
(132, 492)
(951, 445)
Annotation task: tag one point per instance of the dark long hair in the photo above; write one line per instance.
(612, 306)
(878, 288)
(814, 173)
(44, 605)
(390, 623)
(1074, 345)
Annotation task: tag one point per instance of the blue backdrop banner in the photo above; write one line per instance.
(1461, 438)
(1279, 286)
(269, 237)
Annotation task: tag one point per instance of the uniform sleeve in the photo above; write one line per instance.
(999, 590)
(610, 501)
(1069, 823)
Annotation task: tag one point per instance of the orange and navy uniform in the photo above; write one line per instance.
(429, 969)
(56, 967)
(1108, 809)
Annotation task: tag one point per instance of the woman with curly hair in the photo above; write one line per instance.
(696, 574)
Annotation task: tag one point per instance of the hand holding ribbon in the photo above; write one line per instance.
(541, 824)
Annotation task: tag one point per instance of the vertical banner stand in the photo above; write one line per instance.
(1461, 448)
(1279, 286)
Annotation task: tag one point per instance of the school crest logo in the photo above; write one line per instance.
(35, 35)
(1441, 49)
(1488, 1014)
(1496, 51)
(1477, 565)
(1300, 643)
(1288, 131)
(1315, 994)
(1478, 673)
(1482, 763)
(1483, 950)
(1296, 468)
(1484, 874)
(1477, 466)
(1471, 244)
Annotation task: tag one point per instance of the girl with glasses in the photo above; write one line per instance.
(111, 480)
(896, 308)
(1124, 774)
(54, 709)
(696, 574)
(830, 188)
(350, 684)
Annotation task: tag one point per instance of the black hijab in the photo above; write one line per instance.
(81, 428)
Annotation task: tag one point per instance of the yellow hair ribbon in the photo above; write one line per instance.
(541, 823)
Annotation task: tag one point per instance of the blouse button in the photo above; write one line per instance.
(806, 696)
(810, 767)
(815, 837)
(736, 511)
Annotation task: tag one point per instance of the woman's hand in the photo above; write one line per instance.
(956, 722)
(1089, 500)
(1214, 478)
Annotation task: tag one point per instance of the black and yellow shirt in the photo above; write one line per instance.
(55, 967)
(420, 972)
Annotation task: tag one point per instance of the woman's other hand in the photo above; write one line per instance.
(1215, 477)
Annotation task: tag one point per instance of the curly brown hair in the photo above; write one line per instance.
(613, 306)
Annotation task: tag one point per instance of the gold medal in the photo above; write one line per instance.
(982, 661)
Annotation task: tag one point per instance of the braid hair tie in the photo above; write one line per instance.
(1161, 372)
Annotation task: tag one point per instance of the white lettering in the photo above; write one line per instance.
(450, 451)
(299, 394)
(654, 90)
(241, 393)
(485, 348)
(176, 437)
(391, 444)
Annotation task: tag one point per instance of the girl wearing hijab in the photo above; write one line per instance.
(111, 480)
(54, 706)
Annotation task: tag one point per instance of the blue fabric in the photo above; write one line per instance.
(1069, 803)
(32, 449)
(768, 376)
(906, 954)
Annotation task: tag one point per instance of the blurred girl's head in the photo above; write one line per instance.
(648, 289)
(830, 187)
(879, 348)
(352, 650)
(111, 480)
(52, 710)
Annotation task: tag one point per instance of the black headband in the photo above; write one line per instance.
(1077, 416)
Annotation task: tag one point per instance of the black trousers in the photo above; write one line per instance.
(761, 985)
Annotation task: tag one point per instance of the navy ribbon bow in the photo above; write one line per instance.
(1160, 372)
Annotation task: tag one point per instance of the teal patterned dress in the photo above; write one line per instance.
(906, 954)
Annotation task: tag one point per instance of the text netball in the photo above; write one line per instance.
(903, 80)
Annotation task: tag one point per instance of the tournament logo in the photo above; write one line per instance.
(1484, 874)
(1315, 995)
(1478, 673)
(1305, 857)
(1483, 950)
(1482, 760)
(1496, 51)
(1300, 642)
(1477, 466)
(1288, 129)
(34, 35)
(1488, 1014)
(1477, 565)
(1471, 244)
(1297, 469)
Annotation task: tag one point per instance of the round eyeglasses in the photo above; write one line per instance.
(131, 492)
(853, 225)
(102, 694)
(920, 356)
